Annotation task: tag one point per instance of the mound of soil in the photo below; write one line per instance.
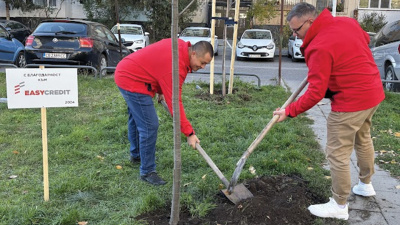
(277, 200)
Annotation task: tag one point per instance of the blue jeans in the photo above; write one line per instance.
(142, 129)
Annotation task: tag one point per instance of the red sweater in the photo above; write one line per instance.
(153, 65)
(338, 58)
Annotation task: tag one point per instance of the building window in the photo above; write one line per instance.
(380, 4)
(52, 3)
(322, 4)
(40, 2)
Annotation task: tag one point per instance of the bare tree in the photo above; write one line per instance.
(175, 208)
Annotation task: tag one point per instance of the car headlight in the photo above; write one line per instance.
(138, 42)
(240, 45)
(271, 46)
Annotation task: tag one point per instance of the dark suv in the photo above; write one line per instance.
(385, 47)
(73, 42)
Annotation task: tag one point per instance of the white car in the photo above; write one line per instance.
(134, 33)
(256, 43)
(196, 34)
(294, 48)
(385, 48)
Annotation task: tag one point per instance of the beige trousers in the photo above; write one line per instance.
(348, 131)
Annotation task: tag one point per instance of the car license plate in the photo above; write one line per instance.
(254, 55)
(55, 55)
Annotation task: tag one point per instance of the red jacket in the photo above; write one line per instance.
(338, 58)
(153, 65)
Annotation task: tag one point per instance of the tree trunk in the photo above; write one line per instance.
(175, 209)
(7, 10)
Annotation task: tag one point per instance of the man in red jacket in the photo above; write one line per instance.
(139, 77)
(341, 67)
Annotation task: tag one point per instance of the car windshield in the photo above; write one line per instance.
(256, 35)
(128, 30)
(195, 33)
(62, 28)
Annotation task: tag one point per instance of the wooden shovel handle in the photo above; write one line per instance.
(212, 165)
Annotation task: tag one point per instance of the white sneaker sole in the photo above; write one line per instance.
(341, 217)
(363, 193)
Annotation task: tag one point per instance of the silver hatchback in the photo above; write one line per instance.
(385, 47)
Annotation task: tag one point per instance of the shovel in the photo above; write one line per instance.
(241, 192)
(246, 154)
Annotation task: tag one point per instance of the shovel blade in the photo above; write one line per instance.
(239, 193)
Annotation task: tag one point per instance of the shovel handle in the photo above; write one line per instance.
(205, 156)
(212, 164)
(274, 119)
(246, 154)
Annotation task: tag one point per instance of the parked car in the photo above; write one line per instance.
(196, 34)
(74, 42)
(17, 29)
(11, 50)
(294, 48)
(134, 33)
(385, 47)
(255, 43)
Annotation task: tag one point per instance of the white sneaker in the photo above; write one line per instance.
(330, 209)
(365, 190)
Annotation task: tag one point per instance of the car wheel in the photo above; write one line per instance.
(288, 54)
(20, 61)
(391, 76)
(103, 63)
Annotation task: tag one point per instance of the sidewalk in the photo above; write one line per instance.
(382, 209)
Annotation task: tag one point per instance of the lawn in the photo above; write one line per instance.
(92, 180)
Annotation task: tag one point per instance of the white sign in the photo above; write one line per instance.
(37, 88)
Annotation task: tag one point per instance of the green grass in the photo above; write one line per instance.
(386, 133)
(86, 143)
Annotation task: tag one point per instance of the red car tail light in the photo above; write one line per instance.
(29, 40)
(398, 49)
(86, 42)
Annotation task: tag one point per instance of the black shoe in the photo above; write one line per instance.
(134, 160)
(153, 178)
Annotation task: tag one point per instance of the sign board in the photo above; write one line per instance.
(38, 88)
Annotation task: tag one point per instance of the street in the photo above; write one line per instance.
(268, 71)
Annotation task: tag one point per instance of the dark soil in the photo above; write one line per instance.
(277, 200)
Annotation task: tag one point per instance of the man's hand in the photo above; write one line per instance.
(281, 113)
(160, 98)
(192, 140)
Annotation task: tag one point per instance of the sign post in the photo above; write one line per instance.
(42, 88)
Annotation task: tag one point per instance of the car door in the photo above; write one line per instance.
(7, 46)
(113, 48)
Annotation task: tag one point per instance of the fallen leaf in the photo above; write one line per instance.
(118, 167)
(239, 206)
(15, 152)
(398, 187)
(204, 176)
(12, 176)
(328, 177)
(310, 168)
(220, 186)
(382, 151)
(82, 223)
(397, 134)
(252, 170)
(100, 157)
(187, 184)
(393, 161)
